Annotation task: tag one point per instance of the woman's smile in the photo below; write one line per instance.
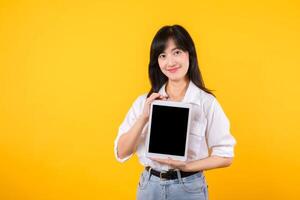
(173, 70)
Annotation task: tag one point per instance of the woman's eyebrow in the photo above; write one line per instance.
(171, 49)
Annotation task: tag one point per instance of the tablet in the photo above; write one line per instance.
(168, 130)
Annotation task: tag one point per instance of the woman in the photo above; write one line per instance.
(174, 75)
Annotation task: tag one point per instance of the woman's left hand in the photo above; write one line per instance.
(181, 165)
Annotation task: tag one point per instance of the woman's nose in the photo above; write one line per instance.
(170, 61)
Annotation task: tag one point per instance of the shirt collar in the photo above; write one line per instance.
(191, 94)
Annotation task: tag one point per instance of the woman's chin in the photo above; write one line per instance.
(175, 78)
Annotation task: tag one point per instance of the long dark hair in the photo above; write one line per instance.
(184, 42)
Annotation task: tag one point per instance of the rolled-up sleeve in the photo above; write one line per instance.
(219, 138)
(127, 123)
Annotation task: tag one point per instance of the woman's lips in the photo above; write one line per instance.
(173, 70)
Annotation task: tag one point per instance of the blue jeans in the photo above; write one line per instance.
(151, 187)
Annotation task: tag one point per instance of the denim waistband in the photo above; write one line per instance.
(197, 175)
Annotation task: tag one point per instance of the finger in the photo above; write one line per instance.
(171, 162)
(164, 161)
(156, 159)
(153, 96)
(163, 97)
(158, 96)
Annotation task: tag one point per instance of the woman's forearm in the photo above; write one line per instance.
(208, 163)
(128, 141)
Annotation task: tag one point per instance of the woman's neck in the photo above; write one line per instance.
(177, 89)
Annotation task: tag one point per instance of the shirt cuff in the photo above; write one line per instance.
(224, 151)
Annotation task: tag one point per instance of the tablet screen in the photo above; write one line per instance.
(168, 130)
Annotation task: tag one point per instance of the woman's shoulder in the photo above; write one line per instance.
(205, 97)
(141, 97)
(211, 103)
(200, 96)
(140, 100)
(207, 100)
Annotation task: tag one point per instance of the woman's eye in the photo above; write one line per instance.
(162, 56)
(177, 52)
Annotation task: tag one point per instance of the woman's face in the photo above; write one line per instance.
(174, 62)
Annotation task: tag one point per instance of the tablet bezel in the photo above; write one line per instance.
(171, 104)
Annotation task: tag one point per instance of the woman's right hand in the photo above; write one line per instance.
(128, 142)
(149, 100)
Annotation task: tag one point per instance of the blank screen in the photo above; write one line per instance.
(168, 130)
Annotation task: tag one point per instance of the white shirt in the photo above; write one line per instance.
(210, 128)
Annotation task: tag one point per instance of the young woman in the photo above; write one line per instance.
(175, 76)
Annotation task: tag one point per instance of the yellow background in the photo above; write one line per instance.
(69, 71)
